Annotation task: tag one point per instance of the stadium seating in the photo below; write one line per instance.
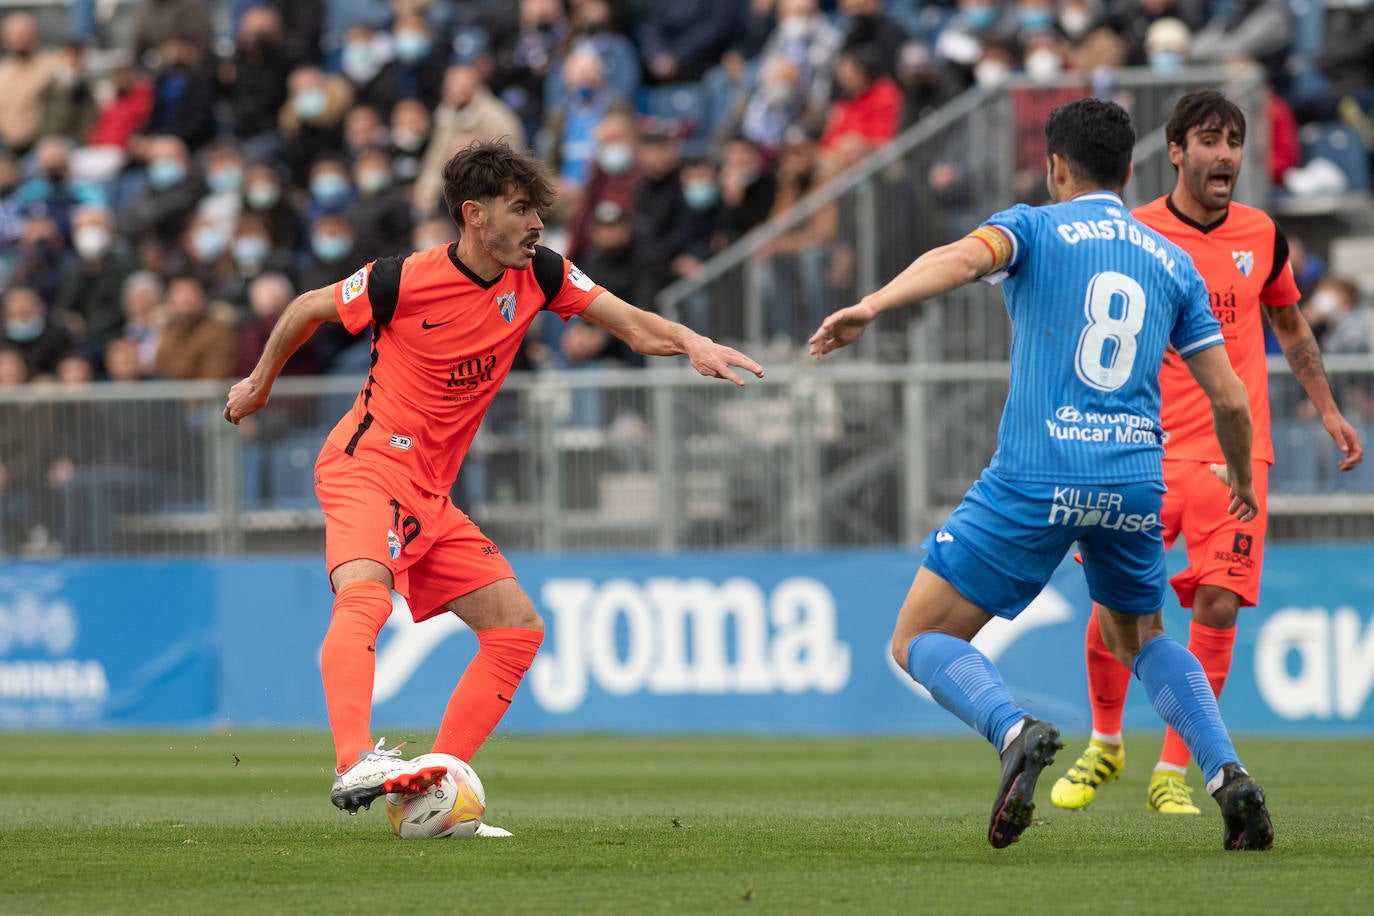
(1341, 145)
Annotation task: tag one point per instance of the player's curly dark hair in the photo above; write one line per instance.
(1203, 108)
(487, 169)
(1096, 138)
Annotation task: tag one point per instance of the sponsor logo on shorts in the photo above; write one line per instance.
(1242, 543)
(1084, 507)
(355, 285)
(1072, 424)
(1233, 558)
(943, 537)
(393, 544)
(401, 442)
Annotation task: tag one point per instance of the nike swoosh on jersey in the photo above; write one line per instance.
(424, 323)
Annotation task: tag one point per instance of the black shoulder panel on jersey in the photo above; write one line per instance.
(548, 272)
(1280, 254)
(384, 288)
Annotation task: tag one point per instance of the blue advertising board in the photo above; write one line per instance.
(713, 642)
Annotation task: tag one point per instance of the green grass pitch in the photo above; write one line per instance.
(241, 823)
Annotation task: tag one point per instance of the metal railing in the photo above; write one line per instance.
(835, 454)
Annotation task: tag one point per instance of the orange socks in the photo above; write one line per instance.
(1108, 681)
(484, 694)
(1213, 648)
(348, 663)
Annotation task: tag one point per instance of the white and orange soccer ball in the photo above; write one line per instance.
(451, 808)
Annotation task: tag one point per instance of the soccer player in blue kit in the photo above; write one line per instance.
(1095, 298)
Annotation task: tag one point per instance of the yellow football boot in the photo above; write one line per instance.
(1099, 765)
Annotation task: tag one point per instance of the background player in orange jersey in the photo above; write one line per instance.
(446, 325)
(1243, 257)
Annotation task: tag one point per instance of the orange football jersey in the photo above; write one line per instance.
(1244, 261)
(443, 341)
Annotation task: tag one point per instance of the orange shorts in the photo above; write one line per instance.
(1222, 551)
(434, 551)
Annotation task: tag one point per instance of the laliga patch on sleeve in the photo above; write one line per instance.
(355, 285)
(577, 278)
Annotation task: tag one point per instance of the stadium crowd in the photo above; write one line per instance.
(159, 208)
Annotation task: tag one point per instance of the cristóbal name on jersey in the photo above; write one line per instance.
(1116, 230)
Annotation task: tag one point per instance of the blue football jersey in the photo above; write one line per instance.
(1095, 299)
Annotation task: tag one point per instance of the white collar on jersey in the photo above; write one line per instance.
(1100, 195)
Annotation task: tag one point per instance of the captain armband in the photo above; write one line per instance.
(999, 243)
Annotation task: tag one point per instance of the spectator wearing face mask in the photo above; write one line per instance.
(89, 297)
(224, 170)
(614, 174)
(160, 210)
(594, 26)
(251, 254)
(264, 197)
(421, 58)
(332, 256)
(202, 253)
(1338, 318)
(330, 189)
(184, 86)
(379, 213)
(960, 44)
(409, 137)
(311, 121)
(42, 342)
(468, 111)
(1167, 45)
(571, 129)
(366, 61)
(53, 192)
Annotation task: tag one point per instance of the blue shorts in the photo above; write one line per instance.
(1004, 541)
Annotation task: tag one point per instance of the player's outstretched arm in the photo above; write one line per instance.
(1231, 419)
(1305, 359)
(305, 313)
(653, 335)
(937, 271)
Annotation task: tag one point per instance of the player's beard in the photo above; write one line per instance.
(1198, 180)
(508, 249)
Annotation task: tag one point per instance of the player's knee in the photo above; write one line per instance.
(901, 645)
(1216, 608)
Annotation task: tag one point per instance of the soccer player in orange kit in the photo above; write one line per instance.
(446, 325)
(1243, 257)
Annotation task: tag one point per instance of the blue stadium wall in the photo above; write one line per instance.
(763, 643)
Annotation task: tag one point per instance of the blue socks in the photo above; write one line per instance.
(1178, 688)
(964, 681)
